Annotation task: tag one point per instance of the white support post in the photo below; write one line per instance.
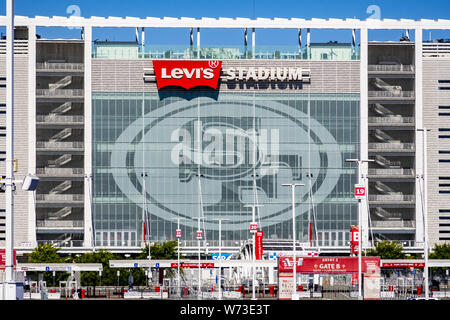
(253, 43)
(198, 43)
(32, 132)
(364, 130)
(9, 285)
(88, 232)
(419, 157)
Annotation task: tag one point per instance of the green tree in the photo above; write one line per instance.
(387, 250)
(92, 278)
(440, 251)
(162, 251)
(48, 254)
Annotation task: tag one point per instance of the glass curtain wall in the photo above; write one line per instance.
(160, 156)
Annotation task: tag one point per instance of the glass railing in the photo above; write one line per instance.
(230, 52)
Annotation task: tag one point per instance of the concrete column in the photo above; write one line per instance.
(364, 130)
(419, 135)
(88, 232)
(32, 132)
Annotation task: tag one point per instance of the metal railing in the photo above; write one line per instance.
(391, 146)
(59, 119)
(59, 93)
(52, 145)
(64, 243)
(391, 172)
(394, 224)
(391, 120)
(59, 66)
(391, 68)
(60, 197)
(392, 198)
(56, 172)
(391, 94)
(59, 223)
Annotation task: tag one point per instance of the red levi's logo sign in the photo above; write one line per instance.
(187, 73)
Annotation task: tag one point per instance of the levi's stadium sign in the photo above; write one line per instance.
(194, 73)
(187, 73)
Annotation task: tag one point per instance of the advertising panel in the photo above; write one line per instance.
(259, 245)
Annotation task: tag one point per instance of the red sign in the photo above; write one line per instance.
(403, 264)
(355, 239)
(258, 245)
(199, 234)
(3, 258)
(187, 73)
(329, 264)
(178, 233)
(193, 265)
(360, 191)
(253, 227)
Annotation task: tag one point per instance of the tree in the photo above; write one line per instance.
(387, 250)
(440, 251)
(108, 277)
(162, 251)
(48, 254)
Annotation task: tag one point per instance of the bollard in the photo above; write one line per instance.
(272, 290)
(109, 294)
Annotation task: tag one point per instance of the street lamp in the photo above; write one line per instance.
(178, 235)
(425, 207)
(359, 162)
(220, 254)
(294, 280)
(253, 206)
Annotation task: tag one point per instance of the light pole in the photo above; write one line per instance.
(220, 254)
(425, 208)
(359, 162)
(294, 280)
(253, 206)
(199, 238)
(178, 235)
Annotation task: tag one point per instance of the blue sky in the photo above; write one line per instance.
(411, 9)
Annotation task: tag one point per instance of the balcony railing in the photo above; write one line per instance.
(57, 119)
(51, 66)
(59, 224)
(60, 93)
(391, 198)
(59, 172)
(64, 244)
(391, 120)
(391, 172)
(391, 94)
(60, 198)
(391, 146)
(391, 68)
(60, 146)
(389, 224)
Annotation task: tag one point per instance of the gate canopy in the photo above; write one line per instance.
(329, 264)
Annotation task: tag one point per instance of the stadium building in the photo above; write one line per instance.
(129, 139)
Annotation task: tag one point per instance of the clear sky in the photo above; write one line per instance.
(360, 9)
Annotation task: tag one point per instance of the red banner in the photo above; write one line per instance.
(403, 264)
(329, 264)
(193, 265)
(187, 73)
(355, 239)
(259, 245)
(3, 258)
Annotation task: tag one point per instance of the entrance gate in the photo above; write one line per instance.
(329, 277)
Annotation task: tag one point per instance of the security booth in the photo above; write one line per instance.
(71, 288)
(328, 277)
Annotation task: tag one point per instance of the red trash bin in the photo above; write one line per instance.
(186, 291)
(300, 288)
(419, 290)
(82, 293)
(272, 290)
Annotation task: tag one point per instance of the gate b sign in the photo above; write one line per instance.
(360, 191)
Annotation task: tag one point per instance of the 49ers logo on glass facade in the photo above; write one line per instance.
(187, 73)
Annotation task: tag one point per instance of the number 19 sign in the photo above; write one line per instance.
(360, 191)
